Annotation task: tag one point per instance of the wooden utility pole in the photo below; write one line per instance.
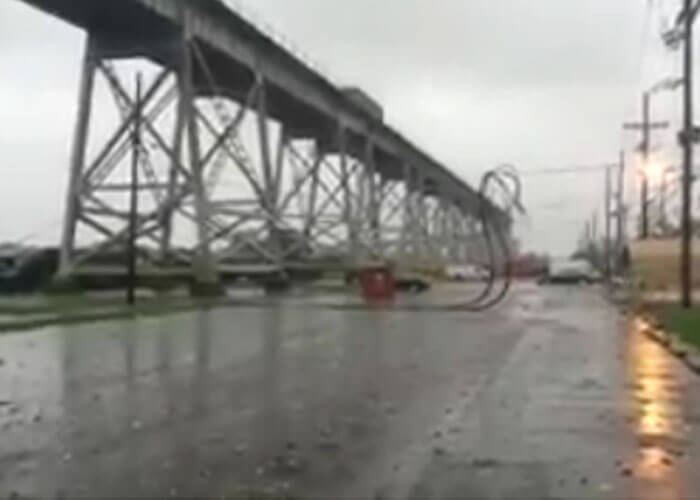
(621, 209)
(608, 215)
(133, 209)
(594, 227)
(646, 127)
(688, 137)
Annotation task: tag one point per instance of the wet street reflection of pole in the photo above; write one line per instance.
(130, 338)
(659, 423)
(273, 425)
(202, 338)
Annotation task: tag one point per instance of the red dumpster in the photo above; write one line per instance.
(377, 283)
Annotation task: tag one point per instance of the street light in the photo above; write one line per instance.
(670, 83)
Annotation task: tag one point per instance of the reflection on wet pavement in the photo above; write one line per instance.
(658, 387)
(539, 399)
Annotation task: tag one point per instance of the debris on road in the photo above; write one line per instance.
(485, 463)
(330, 445)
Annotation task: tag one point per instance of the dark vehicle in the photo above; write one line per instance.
(25, 270)
(412, 284)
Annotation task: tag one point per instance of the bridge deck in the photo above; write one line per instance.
(304, 100)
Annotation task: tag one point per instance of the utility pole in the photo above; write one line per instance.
(646, 127)
(663, 202)
(644, 202)
(587, 236)
(686, 223)
(594, 226)
(621, 209)
(608, 215)
(133, 209)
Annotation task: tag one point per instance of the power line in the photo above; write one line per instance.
(582, 169)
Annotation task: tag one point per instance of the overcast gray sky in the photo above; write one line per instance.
(537, 83)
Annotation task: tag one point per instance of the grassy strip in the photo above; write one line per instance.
(683, 322)
(85, 315)
(75, 303)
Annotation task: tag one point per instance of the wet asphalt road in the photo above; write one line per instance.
(554, 395)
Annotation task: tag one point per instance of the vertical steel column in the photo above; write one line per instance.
(313, 191)
(407, 211)
(178, 133)
(460, 236)
(204, 268)
(442, 227)
(373, 202)
(279, 167)
(264, 139)
(77, 160)
(360, 215)
(270, 190)
(452, 250)
(380, 190)
(347, 194)
(418, 208)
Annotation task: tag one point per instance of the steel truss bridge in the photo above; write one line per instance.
(250, 161)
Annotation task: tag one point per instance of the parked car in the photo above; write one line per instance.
(467, 273)
(571, 271)
(26, 270)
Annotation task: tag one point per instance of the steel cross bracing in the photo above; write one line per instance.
(223, 186)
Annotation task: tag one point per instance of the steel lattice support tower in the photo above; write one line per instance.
(261, 193)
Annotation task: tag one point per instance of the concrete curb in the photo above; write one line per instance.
(684, 352)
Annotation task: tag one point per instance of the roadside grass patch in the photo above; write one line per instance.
(682, 322)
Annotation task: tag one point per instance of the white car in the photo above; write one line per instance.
(467, 273)
(570, 271)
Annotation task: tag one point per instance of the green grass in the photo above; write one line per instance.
(71, 314)
(683, 322)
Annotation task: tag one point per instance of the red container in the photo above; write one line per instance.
(377, 283)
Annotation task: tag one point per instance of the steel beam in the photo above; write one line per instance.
(77, 162)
